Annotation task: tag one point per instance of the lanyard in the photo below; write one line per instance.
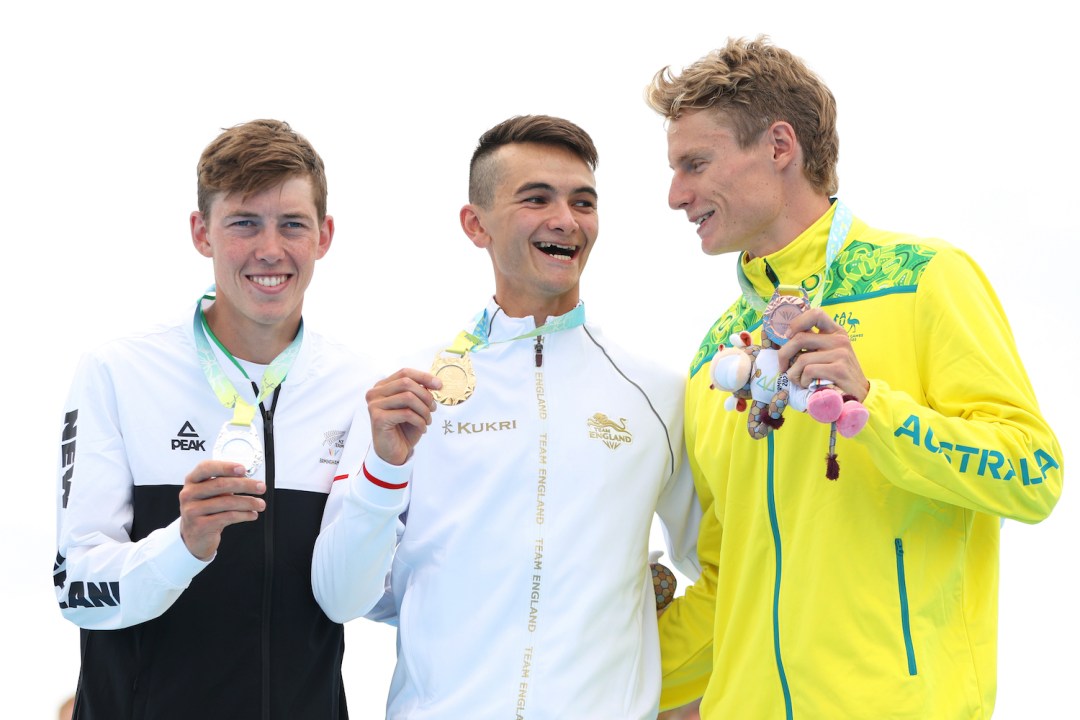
(227, 395)
(479, 339)
(838, 231)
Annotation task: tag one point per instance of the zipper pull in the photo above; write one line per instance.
(539, 348)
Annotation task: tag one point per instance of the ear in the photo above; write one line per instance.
(785, 144)
(199, 236)
(473, 225)
(326, 236)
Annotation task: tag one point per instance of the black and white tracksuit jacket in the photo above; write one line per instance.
(165, 635)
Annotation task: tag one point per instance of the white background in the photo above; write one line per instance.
(956, 120)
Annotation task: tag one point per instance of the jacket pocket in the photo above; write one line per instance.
(905, 615)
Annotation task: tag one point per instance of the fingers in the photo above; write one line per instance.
(407, 388)
(819, 349)
(401, 408)
(216, 494)
(216, 477)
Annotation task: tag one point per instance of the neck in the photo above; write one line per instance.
(792, 221)
(540, 311)
(255, 343)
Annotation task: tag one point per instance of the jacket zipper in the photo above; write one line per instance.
(268, 548)
(774, 522)
(905, 618)
(539, 350)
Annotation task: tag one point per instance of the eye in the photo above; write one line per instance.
(242, 223)
(586, 203)
(697, 166)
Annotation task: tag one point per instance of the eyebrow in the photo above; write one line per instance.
(547, 187)
(250, 214)
(689, 154)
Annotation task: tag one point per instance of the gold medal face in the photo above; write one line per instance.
(457, 377)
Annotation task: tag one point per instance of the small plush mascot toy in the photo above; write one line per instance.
(663, 581)
(752, 373)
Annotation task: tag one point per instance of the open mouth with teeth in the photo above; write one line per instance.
(701, 220)
(268, 280)
(557, 251)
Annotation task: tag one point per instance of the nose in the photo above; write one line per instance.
(269, 245)
(679, 194)
(562, 217)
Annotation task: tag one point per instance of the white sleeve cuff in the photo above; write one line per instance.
(382, 484)
(173, 560)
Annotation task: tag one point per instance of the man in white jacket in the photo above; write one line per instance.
(195, 462)
(520, 581)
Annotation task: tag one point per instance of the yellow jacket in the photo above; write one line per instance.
(874, 596)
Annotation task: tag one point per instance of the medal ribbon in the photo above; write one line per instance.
(838, 231)
(227, 395)
(479, 339)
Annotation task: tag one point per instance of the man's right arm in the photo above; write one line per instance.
(102, 579)
(361, 523)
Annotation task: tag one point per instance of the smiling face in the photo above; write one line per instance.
(264, 249)
(539, 228)
(733, 194)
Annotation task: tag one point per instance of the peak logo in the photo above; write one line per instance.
(611, 433)
(334, 442)
(187, 439)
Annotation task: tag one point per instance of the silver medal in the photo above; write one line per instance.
(240, 444)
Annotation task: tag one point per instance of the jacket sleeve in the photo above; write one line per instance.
(103, 580)
(678, 507)
(975, 438)
(361, 526)
(686, 626)
(680, 518)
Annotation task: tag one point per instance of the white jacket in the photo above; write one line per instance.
(521, 583)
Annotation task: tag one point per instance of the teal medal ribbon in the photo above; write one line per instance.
(788, 301)
(456, 371)
(238, 441)
(480, 339)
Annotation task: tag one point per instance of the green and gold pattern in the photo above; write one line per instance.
(862, 270)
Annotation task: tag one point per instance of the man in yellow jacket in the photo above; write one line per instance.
(873, 595)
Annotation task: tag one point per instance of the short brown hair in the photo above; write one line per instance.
(752, 84)
(255, 156)
(539, 129)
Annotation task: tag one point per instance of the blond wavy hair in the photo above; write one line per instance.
(752, 84)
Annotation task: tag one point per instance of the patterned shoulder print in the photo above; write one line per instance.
(861, 270)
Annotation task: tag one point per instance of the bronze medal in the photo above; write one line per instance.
(781, 310)
(458, 379)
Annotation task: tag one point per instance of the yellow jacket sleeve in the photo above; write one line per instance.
(976, 438)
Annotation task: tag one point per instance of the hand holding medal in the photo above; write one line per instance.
(401, 407)
(216, 494)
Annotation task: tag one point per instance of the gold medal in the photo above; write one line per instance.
(458, 378)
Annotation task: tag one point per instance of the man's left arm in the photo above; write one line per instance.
(975, 437)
